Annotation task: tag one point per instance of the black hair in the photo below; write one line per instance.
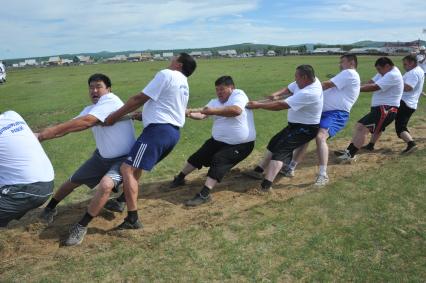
(383, 61)
(224, 80)
(351, 57)
(188, 64)
(99, 77)
(410, 58)
(306, 70)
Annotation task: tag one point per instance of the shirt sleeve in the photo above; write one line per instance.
(156, 86)
(341, 79)
(239, 100)
(297, 101)
(292, 87)
(411, 79)
(376, 77)
(386, 82)
(102, 109)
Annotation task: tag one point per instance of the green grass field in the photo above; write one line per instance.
(368, 227)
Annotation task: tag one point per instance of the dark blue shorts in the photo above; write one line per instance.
(334, 121)
(154, 144)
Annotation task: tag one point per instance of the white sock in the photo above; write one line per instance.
(292, 165)
(323, 170)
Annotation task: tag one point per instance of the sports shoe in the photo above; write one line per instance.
(254, 174)
(126, 225)
(115, 205)
(369, 147)
(321, 180)
(177, 183)
(198, 199)
(77, 233)
(287, 172)
(48, 214)
(346, 157)
(339, 152)
(410, 148)
(265, 190)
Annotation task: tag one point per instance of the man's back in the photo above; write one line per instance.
(22, 159)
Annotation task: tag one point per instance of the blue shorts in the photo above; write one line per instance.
(154, 144)
(334, 121)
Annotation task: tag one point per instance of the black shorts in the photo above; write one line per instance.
(17, 200)
(291, 137)
(378, 118)
(402, 118)
(220, 157)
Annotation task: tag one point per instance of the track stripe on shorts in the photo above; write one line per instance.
(139, 155)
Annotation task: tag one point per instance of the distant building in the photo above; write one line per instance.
(55, 60)
(400, 47)
(30, 62)
(271, 53)
(259, 53)
(328, 50)
(206, 54)
(196, 54)
(157, 57)
(67, 61)
(145, 56)
(167, 55)
(117, 58)
(228, 53)
(293, 52)
(82, 59)
(365, 50)
(134, 57)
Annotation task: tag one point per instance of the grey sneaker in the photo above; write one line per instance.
(254, 174)
(321, 181)
(126, 225)
(409, 149)
(287, 172)
(198, 199)
(346, 157)
(77, 233)
(115, 205)
(48, 214)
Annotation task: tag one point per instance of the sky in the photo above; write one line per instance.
(34, 28)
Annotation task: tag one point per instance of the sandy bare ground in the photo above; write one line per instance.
(28, 240)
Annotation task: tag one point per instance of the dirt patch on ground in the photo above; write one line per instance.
(28, 240)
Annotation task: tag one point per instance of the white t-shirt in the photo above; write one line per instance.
(391, 88)
(420, 57)
(345, 93)
(234, 130)
(112, 141)
(22, 159)
(2, 71)
(414, 78)
(169, 93)
(305, 104)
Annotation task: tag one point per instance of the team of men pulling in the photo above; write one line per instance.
(316, 110)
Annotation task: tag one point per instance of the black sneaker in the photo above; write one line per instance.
(265, 190)
(410, 148)
(177, 182)
(126, 225)
(115, 205)
(369, 147)
(198, 199)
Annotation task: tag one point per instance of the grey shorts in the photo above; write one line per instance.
(17, 200)
(95, 168)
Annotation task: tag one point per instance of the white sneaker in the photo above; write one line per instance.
(346, 157)
(287, 171)
(321, 180)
